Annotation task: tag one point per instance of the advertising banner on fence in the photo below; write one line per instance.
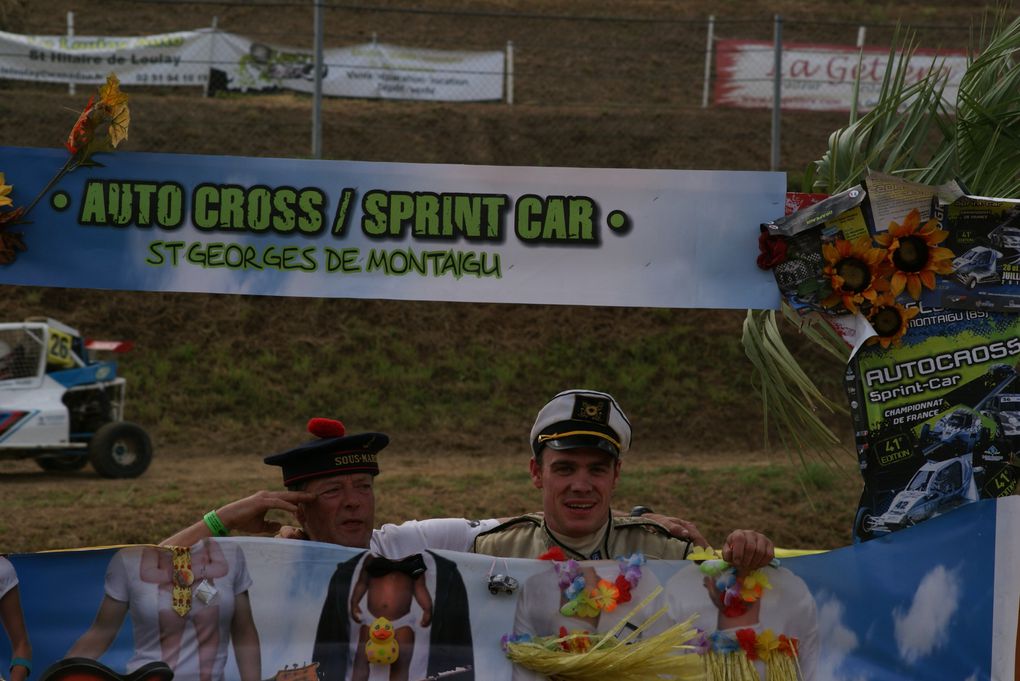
(817, 77)
(248, 609)
(371, 70)
(166, 222)
(166, 59)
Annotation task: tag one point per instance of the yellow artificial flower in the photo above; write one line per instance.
(914, 254)
(765, 645)
(703, 553)
(115, 103)
(5, 190)
(752, 586)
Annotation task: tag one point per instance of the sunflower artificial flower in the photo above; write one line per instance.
(855, 271)
(914, 254)
(890, 319)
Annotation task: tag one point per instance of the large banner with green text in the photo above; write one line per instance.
(168, 222)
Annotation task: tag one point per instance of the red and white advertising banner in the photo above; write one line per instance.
(818, 77)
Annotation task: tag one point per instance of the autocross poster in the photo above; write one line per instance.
(937, 419)
(905, 607)
(218, 224)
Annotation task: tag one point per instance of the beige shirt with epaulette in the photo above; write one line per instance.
(527, 537)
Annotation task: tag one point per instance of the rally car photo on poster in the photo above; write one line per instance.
(958, 446)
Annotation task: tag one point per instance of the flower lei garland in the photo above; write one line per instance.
(738, 592)
(606, 595)
(731, 655)
(728, 655)
(583, 602)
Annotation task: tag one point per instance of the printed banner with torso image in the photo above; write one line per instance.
(935, 601)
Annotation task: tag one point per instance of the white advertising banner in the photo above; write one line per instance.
(167, 59)
(818, 77)
(371, 70)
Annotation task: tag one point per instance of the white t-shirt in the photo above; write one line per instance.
(221, 565)
(415, 536)
(8, 577)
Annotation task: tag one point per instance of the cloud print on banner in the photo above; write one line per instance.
(839, 639)
(925, 626)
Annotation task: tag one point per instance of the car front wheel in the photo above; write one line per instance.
(120, 450)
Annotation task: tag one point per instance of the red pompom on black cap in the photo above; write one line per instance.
(325, 428)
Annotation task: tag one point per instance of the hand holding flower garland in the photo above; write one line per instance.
(737, 594)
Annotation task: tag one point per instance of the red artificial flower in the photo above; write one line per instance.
(84, 127)
(772, 250)
(624, 586)
(788, 645)
(579, 644)
(736, 608)
(555, 553)
(746, 638)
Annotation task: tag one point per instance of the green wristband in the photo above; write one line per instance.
(215, 525)
(21, 662)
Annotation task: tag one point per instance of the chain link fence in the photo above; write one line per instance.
(643, 91)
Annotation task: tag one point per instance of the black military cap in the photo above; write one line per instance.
(334, 453)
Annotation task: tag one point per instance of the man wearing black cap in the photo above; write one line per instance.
(577, 441)
(330, 492)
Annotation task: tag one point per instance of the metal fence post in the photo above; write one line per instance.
(70, 37)
(317, 92)
(777, 92)
(510, 72)
(212, 55)
(709, 41)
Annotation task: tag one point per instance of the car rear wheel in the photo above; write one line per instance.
(120, 450)
(62, 463)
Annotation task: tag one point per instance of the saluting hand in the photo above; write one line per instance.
(249, 514)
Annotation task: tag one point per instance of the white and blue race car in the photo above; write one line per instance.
(61, 406)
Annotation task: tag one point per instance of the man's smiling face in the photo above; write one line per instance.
(577, 488)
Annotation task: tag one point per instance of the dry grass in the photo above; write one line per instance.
(720, 491)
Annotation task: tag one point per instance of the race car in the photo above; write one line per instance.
(61, 406)
(976, 266)
(937, 487)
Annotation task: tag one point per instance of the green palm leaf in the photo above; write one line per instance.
(914, 133)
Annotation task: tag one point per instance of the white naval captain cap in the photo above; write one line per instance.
(582, 418)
